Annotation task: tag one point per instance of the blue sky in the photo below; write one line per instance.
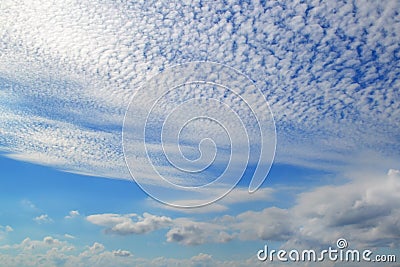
(40, 202)
(322, 78)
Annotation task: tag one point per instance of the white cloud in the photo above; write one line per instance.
(72, 214)
(202, 257)
(330, 78)
(4, 230)
(69, 236)
(130, 223)
(44, 218)
(96, 248)
(328, 71)
(189, 232)
(29, 244)
(364, 210)
(269, 224)
(109, 219)
(28, 204)
(181, 230)
(52, 252)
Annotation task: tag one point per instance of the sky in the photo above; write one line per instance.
(113, 113)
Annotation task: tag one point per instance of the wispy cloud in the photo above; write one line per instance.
(69, 236)
(25, 203)
(238, 195)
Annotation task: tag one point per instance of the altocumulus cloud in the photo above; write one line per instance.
(68, 69)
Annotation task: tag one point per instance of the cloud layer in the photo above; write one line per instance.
(68, 70)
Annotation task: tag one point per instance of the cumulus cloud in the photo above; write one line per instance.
(96, 248)
(4, 230)
(130, 223)
(29, 244)
(48, 240)
(189, 232)
(328, 71)
(202, 257)
(44, 218)
(72, 214)
(53, 252)
(363, 210)
(269, 224)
